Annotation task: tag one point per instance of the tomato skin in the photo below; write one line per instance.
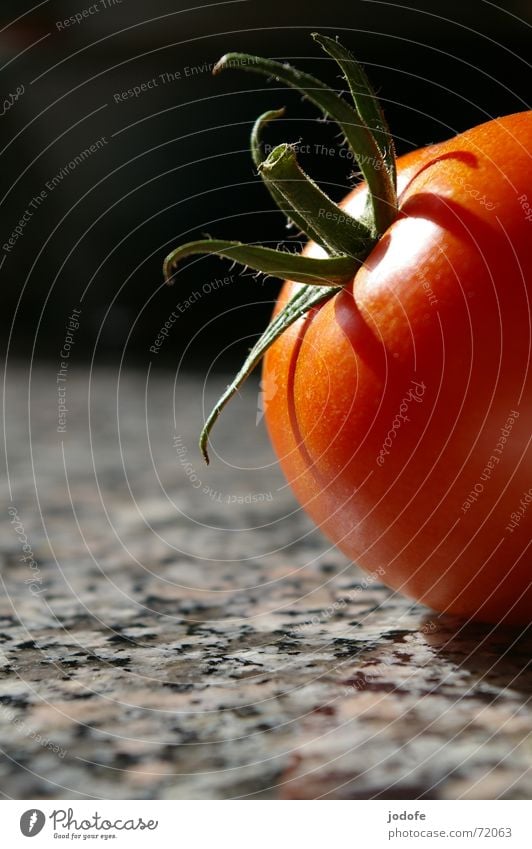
(388, 403)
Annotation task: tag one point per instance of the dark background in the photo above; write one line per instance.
(176, 163)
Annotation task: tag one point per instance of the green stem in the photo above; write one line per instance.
(257, 152)
(340, 232)
(330, 271)
(358, 135)
(299, 305)
(281, 202)
(365, 99)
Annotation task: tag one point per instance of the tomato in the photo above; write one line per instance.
(400, 409)
(397, 364)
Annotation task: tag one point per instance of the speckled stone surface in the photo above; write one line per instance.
(182, 632)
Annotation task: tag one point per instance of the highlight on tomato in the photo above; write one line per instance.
(397, 361)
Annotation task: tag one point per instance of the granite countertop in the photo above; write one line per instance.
(182, 632)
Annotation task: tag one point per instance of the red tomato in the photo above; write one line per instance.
(400, 410)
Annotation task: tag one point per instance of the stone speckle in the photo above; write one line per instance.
(188, 643)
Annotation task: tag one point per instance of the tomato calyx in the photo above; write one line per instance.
(345, 240)
(363, 124)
